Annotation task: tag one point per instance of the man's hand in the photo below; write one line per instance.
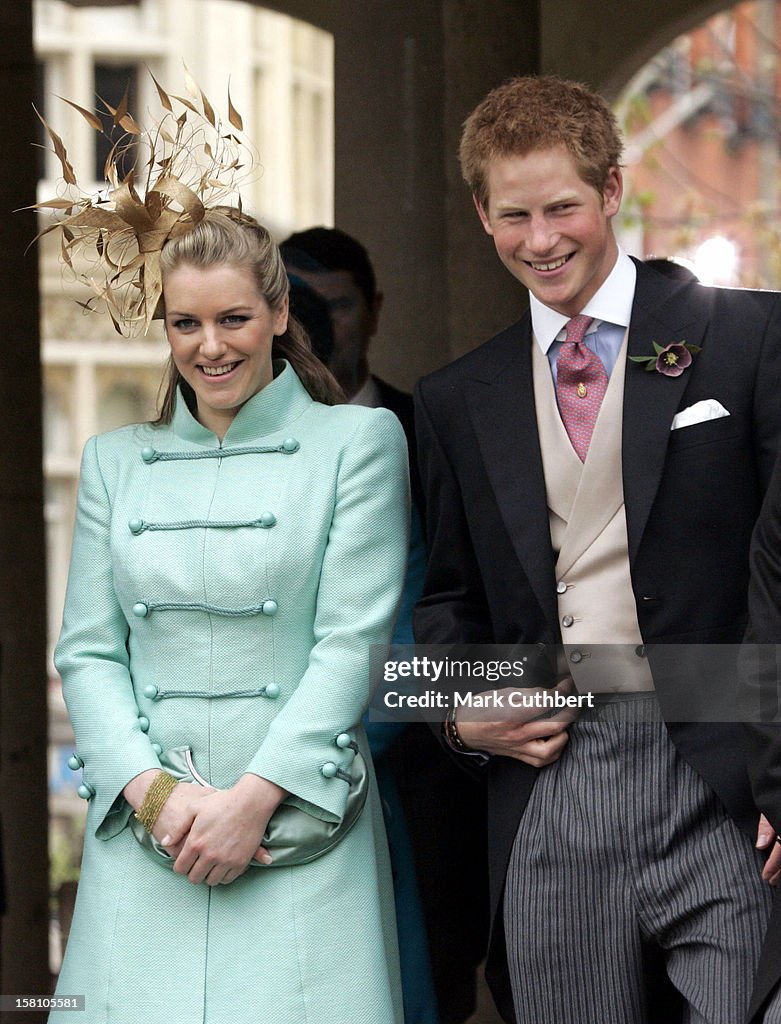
(522, 733)
(766, 840)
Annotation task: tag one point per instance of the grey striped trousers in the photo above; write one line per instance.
(623, 845)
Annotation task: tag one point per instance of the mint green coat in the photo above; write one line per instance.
(202, 573)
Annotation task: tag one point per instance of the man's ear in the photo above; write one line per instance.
(482, 214)
(612, 192)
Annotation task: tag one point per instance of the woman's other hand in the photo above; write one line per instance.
(227, 830)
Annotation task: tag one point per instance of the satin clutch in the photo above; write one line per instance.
(293, 836)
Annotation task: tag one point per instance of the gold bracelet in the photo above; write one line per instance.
(154, 800)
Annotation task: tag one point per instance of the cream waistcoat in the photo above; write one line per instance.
(596, 603)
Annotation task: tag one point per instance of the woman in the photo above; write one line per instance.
(232, 563)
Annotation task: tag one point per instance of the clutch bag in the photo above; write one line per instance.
(293, 836)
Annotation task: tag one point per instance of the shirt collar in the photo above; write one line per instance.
(612, 302)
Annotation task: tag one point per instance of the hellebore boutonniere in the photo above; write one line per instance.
(671, 360)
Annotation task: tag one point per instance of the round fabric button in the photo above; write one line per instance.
(268, 519)
(143, 723)
(85, 791)
(329, 770)
(136, 525)
(140, 610)
(157, 748)
(290, 445)
(148, 454)
(576, 657)
(270, 607)
(75, 762)
(344, 739)
(271, 690)
(151, 691)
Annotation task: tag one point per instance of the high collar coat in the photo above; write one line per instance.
(225, 596)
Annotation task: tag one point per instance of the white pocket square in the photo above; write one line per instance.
(709, 409)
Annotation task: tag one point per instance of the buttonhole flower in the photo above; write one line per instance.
(670, 360)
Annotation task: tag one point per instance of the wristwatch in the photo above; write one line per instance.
(453, 739)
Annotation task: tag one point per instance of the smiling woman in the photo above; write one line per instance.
(225, 301)
(236, 634)
(221, 331)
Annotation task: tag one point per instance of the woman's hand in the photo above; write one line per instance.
(178, 813)
(227, 830)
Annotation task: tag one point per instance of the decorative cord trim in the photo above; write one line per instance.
(193, 524)
(238, 613)
(220, 453)
(163, 694)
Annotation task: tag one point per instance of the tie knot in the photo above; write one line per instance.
(577, 327)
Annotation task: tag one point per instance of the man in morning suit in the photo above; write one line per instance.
(581, 503)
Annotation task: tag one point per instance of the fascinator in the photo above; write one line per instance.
(186, 161)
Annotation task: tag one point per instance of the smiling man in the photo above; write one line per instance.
(577, 502)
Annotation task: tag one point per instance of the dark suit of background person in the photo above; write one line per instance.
(760, 664)
(691, 495)
(443, 809)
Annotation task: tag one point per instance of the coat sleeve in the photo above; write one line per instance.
(453, 606)
(759, 658)
(92, 659)
(767, 414)
(360, 584)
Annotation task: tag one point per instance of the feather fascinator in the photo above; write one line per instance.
(186, 161)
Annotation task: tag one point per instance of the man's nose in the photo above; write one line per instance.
(542, 237)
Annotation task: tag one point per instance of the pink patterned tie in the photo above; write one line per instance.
(580, 386)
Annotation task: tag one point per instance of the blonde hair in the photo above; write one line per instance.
(226, 236)
(531, 113)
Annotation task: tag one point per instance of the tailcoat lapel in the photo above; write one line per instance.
(501, 406)
(663, 312)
